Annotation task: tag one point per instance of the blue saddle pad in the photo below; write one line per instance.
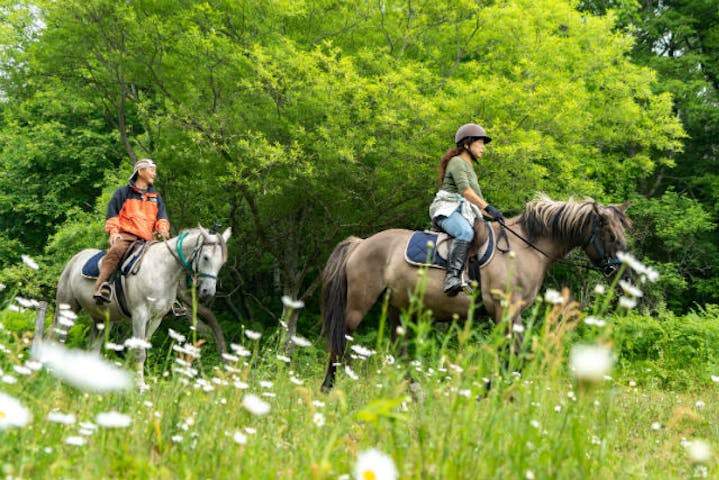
(91, 269)
(419, 252)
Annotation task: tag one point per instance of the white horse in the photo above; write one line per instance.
(151, 292)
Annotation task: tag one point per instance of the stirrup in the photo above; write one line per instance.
(178, 309)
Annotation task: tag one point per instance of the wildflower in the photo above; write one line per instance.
(22, 370)
(362, 351)
(239, 438)
(230, 358)
(284, 358)
(300, 341)
(552, 296)
(76, 441)
(255, 405)
(113, 419)
(699, 451)
(176, 438)
(626, 302)
(266, 384)
(517, 328)
(699, 404)
(240, 350)
(12, 412)
(590, 363)
(292, 304)
(529, 475)
(296, 380)
(135, 342)
(351, 373)
(373, 464)
(318, 419)
(252, 335)
(83, 370)
(176, 336)
(29, 262)
(59, 417)
(389, 360)
(630, 289)
(318, 403)
(9, 379)
(597, 322)
(715, 378)
(656, 426)
(400, 330)
(26, 303)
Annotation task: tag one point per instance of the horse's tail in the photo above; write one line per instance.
(334, 296)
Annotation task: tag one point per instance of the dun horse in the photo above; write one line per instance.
(360, 270)
(151, 292)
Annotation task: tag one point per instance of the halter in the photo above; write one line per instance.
(191, 267)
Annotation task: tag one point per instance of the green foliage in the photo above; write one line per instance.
(676, 352)
(299, 123)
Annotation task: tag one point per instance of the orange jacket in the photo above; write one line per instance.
(133, 211)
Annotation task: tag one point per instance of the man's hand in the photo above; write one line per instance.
(164, 234)
(114, 237)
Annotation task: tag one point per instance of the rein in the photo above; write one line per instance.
(600, 265)
(191, 266)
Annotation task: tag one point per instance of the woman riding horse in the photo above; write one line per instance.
(455, 206)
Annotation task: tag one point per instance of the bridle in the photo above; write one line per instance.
(192, 266)
(603, 263)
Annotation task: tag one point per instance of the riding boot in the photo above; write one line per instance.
(453, 283)
(103, 290)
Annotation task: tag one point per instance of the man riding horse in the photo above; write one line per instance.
(135, 211)
(455, 206)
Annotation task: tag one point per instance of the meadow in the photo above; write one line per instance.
(641, 404)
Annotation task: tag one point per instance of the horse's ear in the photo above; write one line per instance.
(624, 206)
(204, 232)
(226, 234)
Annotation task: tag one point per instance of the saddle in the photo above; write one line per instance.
(430, 249)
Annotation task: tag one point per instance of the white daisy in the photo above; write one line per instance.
(699, 451)
(252, 335)
(29, 262)
(318, 419)
(113, 419)
(292, 304)
(552, 296)
(59, 417)
(12, 412)
(81, 369)
(255, 405)
(590, 362)
(376, 465)
(300, 341)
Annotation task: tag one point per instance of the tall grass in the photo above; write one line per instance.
(431, 414)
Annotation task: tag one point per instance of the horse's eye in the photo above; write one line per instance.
(206, 257)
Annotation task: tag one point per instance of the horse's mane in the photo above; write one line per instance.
(562, 221)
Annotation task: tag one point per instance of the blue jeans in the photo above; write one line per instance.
(457, 226)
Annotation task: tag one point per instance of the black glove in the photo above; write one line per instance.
(495, 213)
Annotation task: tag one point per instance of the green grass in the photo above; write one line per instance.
(535, 424)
